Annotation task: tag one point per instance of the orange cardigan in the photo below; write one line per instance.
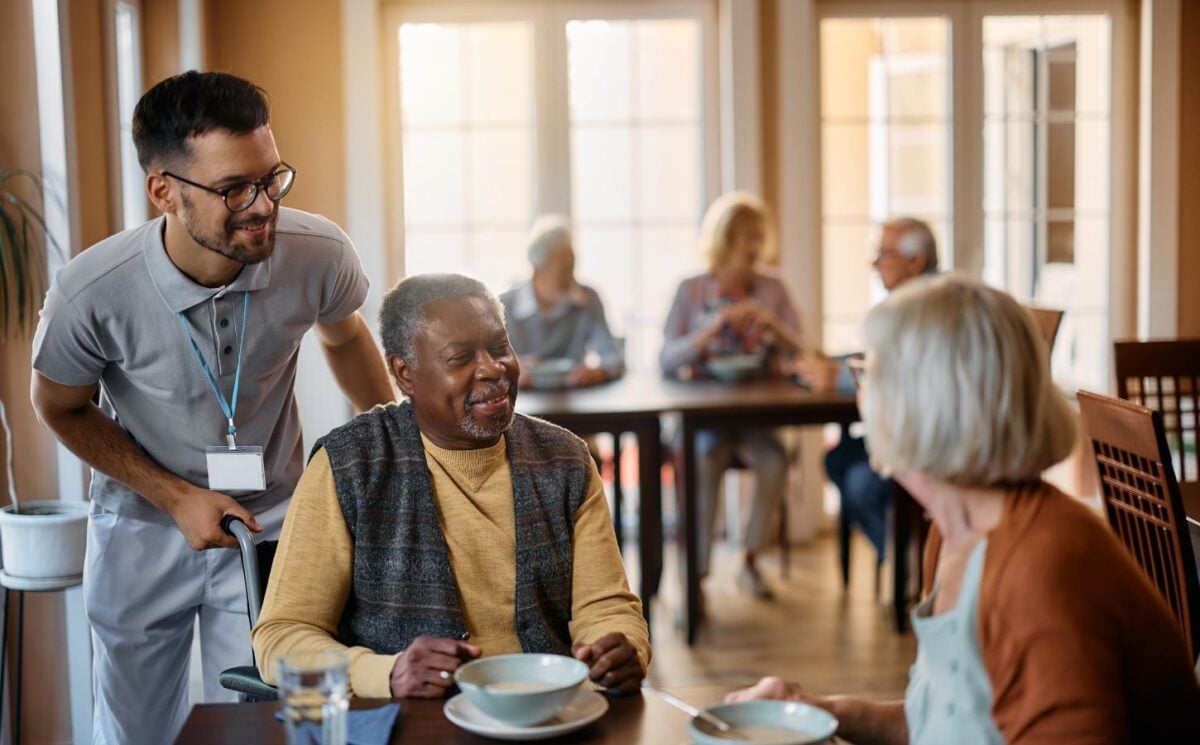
(1077, 643)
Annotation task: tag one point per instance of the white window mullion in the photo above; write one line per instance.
(553, 114)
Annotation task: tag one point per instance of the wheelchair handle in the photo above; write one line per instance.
(235, 527)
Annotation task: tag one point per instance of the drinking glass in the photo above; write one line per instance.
(313, 687)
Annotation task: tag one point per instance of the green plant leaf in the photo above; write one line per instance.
(24, 241)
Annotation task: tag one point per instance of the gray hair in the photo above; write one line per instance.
(402, 314)
(916, 238)
(549, 235)
(958, 386)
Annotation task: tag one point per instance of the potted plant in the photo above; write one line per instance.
(38, 540)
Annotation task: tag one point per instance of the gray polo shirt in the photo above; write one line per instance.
(111, 316)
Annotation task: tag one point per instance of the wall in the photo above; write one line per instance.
(95, 173)
(292, 48)
(45, 718)
(1189, 171)
(160, 40)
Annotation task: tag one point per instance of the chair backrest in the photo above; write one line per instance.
(1142, 501)
(1165, 376)
(1048, 320)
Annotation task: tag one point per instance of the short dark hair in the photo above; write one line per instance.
(190, 104)
(403, 311)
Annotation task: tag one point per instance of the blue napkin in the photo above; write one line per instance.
(363, 726)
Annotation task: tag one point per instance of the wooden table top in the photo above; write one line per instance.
(648, 393)
(631, 720)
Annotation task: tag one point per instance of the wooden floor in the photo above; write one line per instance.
(828, 639)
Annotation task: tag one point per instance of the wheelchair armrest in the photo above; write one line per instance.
(246, 681)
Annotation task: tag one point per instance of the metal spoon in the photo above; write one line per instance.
(687, 708)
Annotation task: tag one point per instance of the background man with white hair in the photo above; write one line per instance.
(907, 249)
(551, 316)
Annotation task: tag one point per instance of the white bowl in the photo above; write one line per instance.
(551, 373)
(521, 689)
(773, 722)
(734, 367)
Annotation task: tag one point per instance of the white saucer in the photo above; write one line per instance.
(584, 709)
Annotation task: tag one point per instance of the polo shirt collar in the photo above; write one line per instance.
(178, 291)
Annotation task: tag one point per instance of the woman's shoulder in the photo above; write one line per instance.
(1049, 541)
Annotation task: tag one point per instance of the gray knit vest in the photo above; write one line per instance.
(403, 585)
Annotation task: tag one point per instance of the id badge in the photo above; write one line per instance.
(239, 469)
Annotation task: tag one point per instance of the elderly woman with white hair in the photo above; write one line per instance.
(551, 316)
(734, 308)
(1036, 627)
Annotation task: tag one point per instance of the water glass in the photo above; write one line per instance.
(313, 687)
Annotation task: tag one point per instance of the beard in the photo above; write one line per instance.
(221, 240)
(499, 423)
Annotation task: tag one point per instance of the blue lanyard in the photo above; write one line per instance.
(226, 407)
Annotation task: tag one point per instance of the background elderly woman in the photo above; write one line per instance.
(1037, 627)
(734, 309)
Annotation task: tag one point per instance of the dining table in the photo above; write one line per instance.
(640, 719)
(635, 404)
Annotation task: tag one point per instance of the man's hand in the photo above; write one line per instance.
(817, 371)
(584, 376)
(426, 668)
(198, 513)
(612, 663)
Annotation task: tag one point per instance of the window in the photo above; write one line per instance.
(129, 86)
(598, 111)
(1046, 176)
(885, 133)
(999, 130)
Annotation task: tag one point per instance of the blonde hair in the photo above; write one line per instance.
(727, 213)
(958, 386)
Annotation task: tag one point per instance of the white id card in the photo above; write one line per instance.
(237, 469)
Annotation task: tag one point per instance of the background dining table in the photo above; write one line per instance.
(635, 404)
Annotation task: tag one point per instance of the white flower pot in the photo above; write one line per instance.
(46, 539)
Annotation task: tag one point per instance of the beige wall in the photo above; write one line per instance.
(292, 48)
(46, 718)
(1189, 171)
(160, 40)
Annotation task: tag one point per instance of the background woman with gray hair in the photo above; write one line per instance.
(1036, 627)
(733, 308)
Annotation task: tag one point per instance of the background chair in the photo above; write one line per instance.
(1142, 501)
(1049, 320)
(1165, 376)
(256, 567)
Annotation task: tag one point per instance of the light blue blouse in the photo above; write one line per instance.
(949, 697)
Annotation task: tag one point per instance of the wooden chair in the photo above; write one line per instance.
(1165, 376)
(1142, 501)
(1049, 320)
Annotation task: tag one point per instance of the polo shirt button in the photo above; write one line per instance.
(954, 666)
(950, 709)
(228, 350)
(224, 322)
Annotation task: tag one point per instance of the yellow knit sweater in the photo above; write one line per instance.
(311, 575)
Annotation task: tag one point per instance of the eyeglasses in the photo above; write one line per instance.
(238, 197)
(857, 364)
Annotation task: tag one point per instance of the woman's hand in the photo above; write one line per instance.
(771, 689)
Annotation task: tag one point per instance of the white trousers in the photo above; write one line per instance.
(144, 587)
